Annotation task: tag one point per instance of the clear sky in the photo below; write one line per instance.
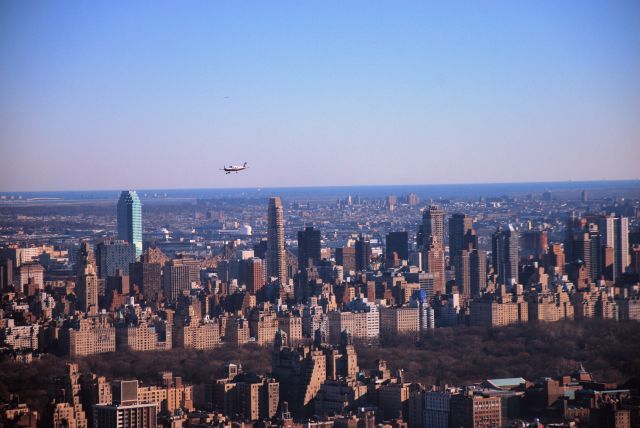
(115, 94)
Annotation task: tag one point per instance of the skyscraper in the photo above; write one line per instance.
(615, 234)
(87, 281)
(176, 279)
(276, 253)
(433, 262)
(253, 274)
(308, 247)
(582, 250)
(130, 220)
(397, 242)
(346, 257)
(461, 234)
(112, 255)
(363, 253)
(433, 224)
(478, 265)
(505, 255)
(148, 277)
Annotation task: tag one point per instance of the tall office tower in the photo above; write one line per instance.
(308, 247)
(31, 275)
(505, 255)
(596, 252)
(119, 283)
(433, 262)
(573, 225)
(461, 234)
(148, 278)
(622, 245)
(433, 224)
(87, 286)
(85, 252)
(276, 253)
(114, 255)
(260, 249)
(556, 259)
(130, 220)
(471, 272)
(582, 250)
(584, 196)
(615, 234)
(397, 242)
(253, 274)
(176, 280)
(346, 257)
(363, 253)
(6, 274)
(478, 265)
(533, 244)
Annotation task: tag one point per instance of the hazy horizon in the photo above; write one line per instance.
(448, 190)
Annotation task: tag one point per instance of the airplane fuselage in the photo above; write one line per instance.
(234, 168)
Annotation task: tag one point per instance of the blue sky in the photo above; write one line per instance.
(108, 95)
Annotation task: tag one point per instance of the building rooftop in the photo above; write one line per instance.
(509, 382)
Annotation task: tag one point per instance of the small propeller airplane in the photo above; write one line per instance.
(234, 168)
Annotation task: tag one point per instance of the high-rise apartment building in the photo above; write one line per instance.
(67, 400)
(363, 323)
(148, 277)
(248, 395)
(125, 411)
(31, 276)
(582, 251)
(505, 255)
(395, 321)
(346, 257)
(253, 274)
(555, 259)
(172, 394)
(112, 255)
(276, 252)
(89, 336)
(461, 234)
(498, 310)
(615, 235)
(201, 334)
(362, 253)
(176, 279)
(398, 243)
(433, 262)
(550, 307)
(433, 224)
(263, 324)
(471, 272)
(308, 247)
(87, 287)
(151, 333)
(130, 220)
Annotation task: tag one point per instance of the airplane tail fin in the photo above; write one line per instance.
(245, 164)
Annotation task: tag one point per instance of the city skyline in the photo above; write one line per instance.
(377, 307)
(418, 93)
(319, 214)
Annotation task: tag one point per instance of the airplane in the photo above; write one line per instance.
(234, 168)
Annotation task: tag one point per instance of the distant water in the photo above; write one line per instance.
(629, 188)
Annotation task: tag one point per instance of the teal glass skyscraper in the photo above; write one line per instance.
(130, 220)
